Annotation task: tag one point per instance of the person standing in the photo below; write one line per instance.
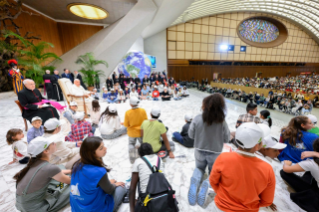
(133, 121)
(109, 83)
(56, 85)
(48, 86)
(68, 75)
(17, 77)
(78, 76)
(209, 131)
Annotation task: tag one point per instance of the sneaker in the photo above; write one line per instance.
(192, 192)
(202, 194)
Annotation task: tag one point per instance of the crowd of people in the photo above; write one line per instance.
(70, 167)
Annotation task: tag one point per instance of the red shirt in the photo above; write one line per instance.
(155, 94)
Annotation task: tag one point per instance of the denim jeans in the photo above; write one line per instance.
(177, 98)
(155, 99)
(132, 151)
(178, 137)
(204, 159)
(118, 196)
(68, 116)
(112, 100)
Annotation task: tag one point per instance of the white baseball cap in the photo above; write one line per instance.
(112, 108)
(36, 118)
(265, 128)
(52, 124)
(249, 134)
(134, 101)
(189, 117)
(156, 111)
(79, 116)
(270, 142)
(38, 145)
(311, 117)
(73, 104)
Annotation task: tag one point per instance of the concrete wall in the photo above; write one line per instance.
(138, 45)
(156, 46)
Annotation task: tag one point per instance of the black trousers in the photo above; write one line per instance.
(307, 196)
(24, 160)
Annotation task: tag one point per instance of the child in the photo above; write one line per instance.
(36, 129)
(121, 97)
(133, 93)
(110, 124)
(155, 94)
(265, 118)
(79, 129)
(95, 113)
(177, 95)
(306, 186)
(105, 94)
(70, 112)
(314, 129)
(183, 137)
(19, 147)
(233, 193)
(185, 92)
(91, 187)
(127, 92)
(270, 148)
(95, 95)
(112, 96)
(165, 95)
(149, 95)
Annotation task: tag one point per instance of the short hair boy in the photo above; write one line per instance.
(36, 129)
(183, 137)
(250, 116)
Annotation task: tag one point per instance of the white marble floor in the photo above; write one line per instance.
(178, 170)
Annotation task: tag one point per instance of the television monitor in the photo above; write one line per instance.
(152, 60)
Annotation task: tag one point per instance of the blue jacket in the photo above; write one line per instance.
(293, 153)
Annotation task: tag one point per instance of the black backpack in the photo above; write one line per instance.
(159, 196)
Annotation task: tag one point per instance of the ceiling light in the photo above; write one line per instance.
(223, 47)
(88, 11)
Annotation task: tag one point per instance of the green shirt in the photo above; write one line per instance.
(314, 130)
(152, 131)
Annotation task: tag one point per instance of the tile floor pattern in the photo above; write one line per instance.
(178, 171)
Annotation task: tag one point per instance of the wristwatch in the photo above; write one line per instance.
(169, 151)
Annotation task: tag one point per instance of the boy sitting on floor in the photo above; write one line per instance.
(185, 92)
(36, 129)
(71, 112)
(79, 129)
(183, 137)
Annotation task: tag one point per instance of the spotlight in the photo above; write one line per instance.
(223, 47)
(243, 48)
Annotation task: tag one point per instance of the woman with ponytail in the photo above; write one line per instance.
(40, 185)
(297, 138)
(209, 131)
(307, 186)
(265, 118)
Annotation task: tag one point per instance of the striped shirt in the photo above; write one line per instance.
(247, 118)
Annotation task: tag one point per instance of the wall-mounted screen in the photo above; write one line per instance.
(152, 60)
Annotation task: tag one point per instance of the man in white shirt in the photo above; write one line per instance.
(78, 90)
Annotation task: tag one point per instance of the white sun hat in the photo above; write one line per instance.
(312, 118)
(52, 124)
(249, 134)
(38, 145)
(189, 117)
(134, 101)
(112, 108)
(270, 142)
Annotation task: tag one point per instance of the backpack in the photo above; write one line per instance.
(159, 196)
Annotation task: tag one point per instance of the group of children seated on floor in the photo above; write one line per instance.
(145, 92)
(82, 153)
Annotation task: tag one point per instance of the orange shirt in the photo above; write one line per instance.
(133, 121)
(242, 183)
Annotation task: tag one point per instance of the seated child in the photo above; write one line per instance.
(265, 118)
(306, 186)
(155, 94)
(95, 114)
(70, 112)
(165, 95)
(133, 93)
(307, 107)
(19, 147)
(149, 95)
(112, 96)
(105, 95)
(185, 92)
(121, 96)
(177, 95)
(79, 129)
(127, 92)
(65, 152)
(110, 124)
(183, 137)
(36, 129)
(95, 95)
(314, 129)
(270, 148)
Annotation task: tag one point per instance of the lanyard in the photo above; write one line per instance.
(246, 153)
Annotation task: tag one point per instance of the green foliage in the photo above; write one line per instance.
(88, 69)
(33, 58)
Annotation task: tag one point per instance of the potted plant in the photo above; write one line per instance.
(34, 59)
(88, 68)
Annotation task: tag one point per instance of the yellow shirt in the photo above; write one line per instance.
(133, 121)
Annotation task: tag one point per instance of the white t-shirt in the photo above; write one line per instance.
(20, 150)
(312, 166)
(95, 116)
(144, 171)
(133, 94)
(109, 126)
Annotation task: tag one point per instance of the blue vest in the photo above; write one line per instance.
(86, 195)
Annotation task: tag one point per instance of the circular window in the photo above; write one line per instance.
(262, 32)
(258, 30)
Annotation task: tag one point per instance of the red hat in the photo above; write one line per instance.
(12, 61)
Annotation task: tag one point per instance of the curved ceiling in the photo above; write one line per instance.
(305, 13)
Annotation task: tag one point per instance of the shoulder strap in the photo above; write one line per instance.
(150, 165)
(26, 188)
